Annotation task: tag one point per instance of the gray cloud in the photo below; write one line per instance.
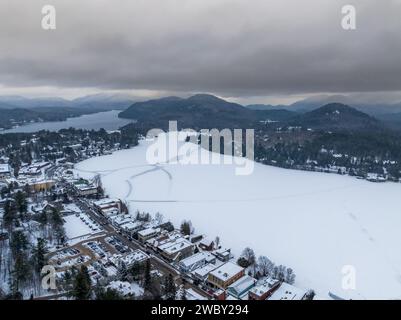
(234, 48)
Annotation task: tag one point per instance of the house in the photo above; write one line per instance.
(223, 254)
(162, 238)
(108, 207)
(288, 292)
(85, 190)
(131, 228)
(195, 238)
(120, 220)
(220, 295)
(225, 275)
(177, 249)
(239, 289)
(263, 290)
(206, 244)
(35, 169)
(45, 207)
(148, 233)
(196, 261)
(202, 273)
(5, 171)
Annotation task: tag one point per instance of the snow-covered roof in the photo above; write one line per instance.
(206, 241)
(148, 232)
(191, 260)
(122, 219)
(133, 225)
(106, 201)
(241, 285)
(264, 287)
(227, 271)
(191, 294)
(288, 292)
(205, 270)
(176, 246)
(5, 168)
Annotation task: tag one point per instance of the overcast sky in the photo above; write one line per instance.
(248, 50)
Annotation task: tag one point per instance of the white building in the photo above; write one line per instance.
(288, 292)
(196, 261)
(148, 233)
(106, 205)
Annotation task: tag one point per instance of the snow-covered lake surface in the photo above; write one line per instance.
(313, 222)
(107, 120)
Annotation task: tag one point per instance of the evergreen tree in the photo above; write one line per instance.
(14, 294)
(42, 218)
(9, 215)
(82, 285)
(19, 242)
(38, 255)
(170, 290)
(21, 272)
(147, 283)
(186, 227)
(136, 270)
(20, 202)
(107, 294)
(122, 271)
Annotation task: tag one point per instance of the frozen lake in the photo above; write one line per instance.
(313, 222)
(107, 120)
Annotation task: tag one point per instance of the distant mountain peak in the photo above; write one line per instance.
(204, 96)
(337, 116)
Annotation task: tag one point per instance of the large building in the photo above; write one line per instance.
(225, 275)
(196, 261)
(85, 189)
(148, 233)
(40, 185)
(108, 207)
(177, 249)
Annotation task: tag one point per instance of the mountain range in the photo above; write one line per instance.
(207, 111)
(97, 101)
(200, 111)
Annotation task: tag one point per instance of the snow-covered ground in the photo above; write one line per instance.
(75, 227)
(313, 222)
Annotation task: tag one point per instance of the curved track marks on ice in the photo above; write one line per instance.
(154, 169)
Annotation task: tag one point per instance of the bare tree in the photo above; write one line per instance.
(249, 255)
(265, 266)
(217, 242)
(159, 218)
